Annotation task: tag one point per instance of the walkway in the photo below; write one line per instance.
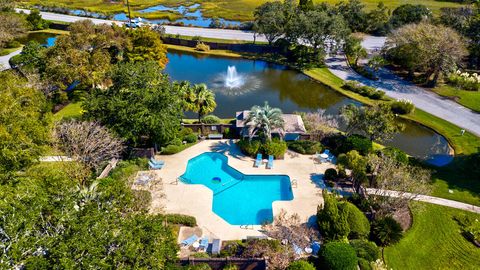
(425, 198)
(4, 60)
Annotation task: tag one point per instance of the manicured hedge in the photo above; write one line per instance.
(181, 219)
(330, 174)
(305, 147)
(339, 256)
(363, 90)
(300, 265)
(275, 147)
(402, 106)
(366, 249)
(357, 221)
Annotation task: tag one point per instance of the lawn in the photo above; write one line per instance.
(433, 242)
(241, 10)
(72, 110)
(469, 99)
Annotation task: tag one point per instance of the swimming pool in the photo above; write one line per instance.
(237, 198)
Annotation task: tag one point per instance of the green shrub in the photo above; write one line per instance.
(201, 266)
(181, 219)
(364, 264)
(366, 250)
(470, 227)
(330, 174)
(200, 255)
(210, 119)
(339, 256)
(190, 138)
(300, 265)
(402, 106)
(202, 47)
(357, 142)
(386, 231)
(230, 267)
(176, 141)
(275, 147)
(363, 90)
(231, 248)
(13, 44)
(357, 221)
(305, 147)
(395, 153)
(249, 148)
(172, 149)
(184, 132)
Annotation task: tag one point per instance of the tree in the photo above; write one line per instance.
(141, 105)
(305, 5)
(32, 58)
(146, 46)
(270, 20)
(357, 222)
(332, 218)
(473, 33)
(358, 165)
(426, 48)
(409, 14)
(318, 124)
(386, 231)
(377, 20)
(339, 256)
(202, 100)
(13, 26)
(264, 119)
(86, 55)
(35, 20)
(355, 16)
(25, 122)
(378, 123)
(87, 142)
(7, 5)
(353, 48)
(407, 181)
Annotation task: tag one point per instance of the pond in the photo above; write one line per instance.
(252, 82)
(192, 15)
(45, 39)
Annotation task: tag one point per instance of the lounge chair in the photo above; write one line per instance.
(215, 136)
(155, 166)
(216, 246)
(326, 152)
(270, 162)
(157, 162)
(315, 247)
(203, 244)
(189, 241)
(258, 161)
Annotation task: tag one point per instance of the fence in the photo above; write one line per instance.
(245, 47)
(206, 129)
(220, 263)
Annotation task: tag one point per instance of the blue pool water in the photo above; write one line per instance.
(237, 198)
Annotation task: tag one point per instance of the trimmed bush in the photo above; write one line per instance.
(201, 266)
(395, 153)
(357, 221)
(305, 147)
(402, 106)
(184, 132)
(366, 249)
(172, 149)
(339, 256)
(275, 147)
(190, 138)
(300, 265)
(210, 119)
(176, 141)
(230, 267)
(330, 174)
(181, 219)
(386, 231)
(13, 44)
(357, 142)
(364, 264)
(249, 148)
(363, 90)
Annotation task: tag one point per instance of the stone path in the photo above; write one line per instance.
(4, 64)
(425, 198)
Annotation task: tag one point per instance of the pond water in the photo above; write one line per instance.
(45, 39)
(289, 90)
(192, 15)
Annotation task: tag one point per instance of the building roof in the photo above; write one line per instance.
(293, 122)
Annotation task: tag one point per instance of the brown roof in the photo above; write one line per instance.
(293, 122)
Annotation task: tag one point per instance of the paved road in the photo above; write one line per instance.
(4, 64)
(425, 198)
(184, 31)
(397, 88)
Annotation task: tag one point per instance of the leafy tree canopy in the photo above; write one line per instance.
(141, 104)
(339, 256)
(146, 46)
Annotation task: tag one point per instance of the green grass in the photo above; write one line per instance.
(433, 242)
(218, 40)
(72, 110)
(224, 53)
(469, 99)
(8, 50)
(241, 10)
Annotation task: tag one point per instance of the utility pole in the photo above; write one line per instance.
(129, 15)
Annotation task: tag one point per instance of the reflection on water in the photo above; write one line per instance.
(45, 39)
(289, 90)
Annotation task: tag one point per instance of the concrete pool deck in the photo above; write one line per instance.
(196, 200)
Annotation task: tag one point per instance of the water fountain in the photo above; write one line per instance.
(233, 80)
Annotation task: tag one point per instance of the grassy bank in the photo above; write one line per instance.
(433, 242)
(241, 10)
(469, 99)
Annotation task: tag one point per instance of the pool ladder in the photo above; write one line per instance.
(293, 183)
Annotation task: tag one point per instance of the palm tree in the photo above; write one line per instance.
(204, 100)
(264, 119)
